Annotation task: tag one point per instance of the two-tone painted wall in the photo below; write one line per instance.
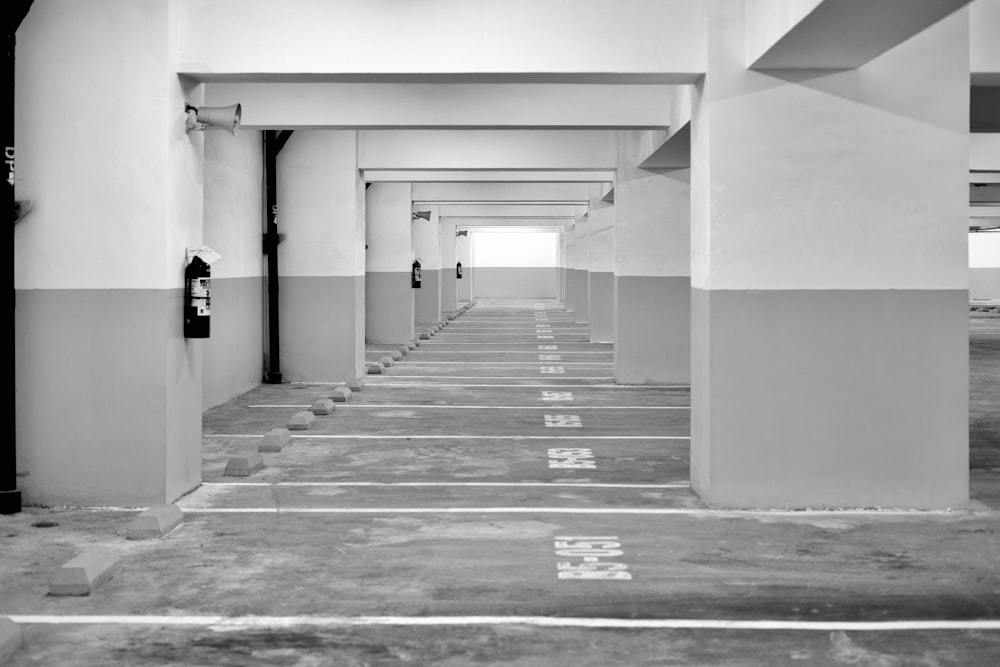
(984, 266)
(233, 355)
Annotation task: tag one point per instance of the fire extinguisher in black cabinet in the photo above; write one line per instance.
(458, 270)
(415, 275)
(197, 298)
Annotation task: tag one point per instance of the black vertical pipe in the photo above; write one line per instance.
(274, 141)
(10, 496)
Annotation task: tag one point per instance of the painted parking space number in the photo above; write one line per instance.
(548, 347)
(557, 396)
(552, 370)
(574, 458)
(591, 556)
(550, 357)
(563, 421)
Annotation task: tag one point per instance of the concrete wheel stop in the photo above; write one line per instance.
(340, 395)
(412, 345)
(396, 355)
(403, 350)
(244, 465)
(386, 361)
(323, 406)
(11, 637)
(155, 522)
(357, 384)
(425, 335)
(301, 421)
(374, 368)
(275, 440)
(85, 573)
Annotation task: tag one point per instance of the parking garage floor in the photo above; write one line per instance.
(493, 498)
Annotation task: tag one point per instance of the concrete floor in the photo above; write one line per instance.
(420, 524)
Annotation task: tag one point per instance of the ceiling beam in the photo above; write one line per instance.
(445, 106)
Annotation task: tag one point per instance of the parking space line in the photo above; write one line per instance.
(486, 407)
(256, 622)
(676, 485)
(369, 436)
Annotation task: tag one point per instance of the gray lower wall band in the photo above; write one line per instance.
(830, 398)
(653, 330)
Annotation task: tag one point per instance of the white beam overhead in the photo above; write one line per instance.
(553, 193)
(511, 210)
(447, 106)
(642, 41)
(486, 176)
(478, 223)
(834, 34)
(488, 149)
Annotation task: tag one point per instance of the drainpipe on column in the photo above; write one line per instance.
(274, 141)
(10, 496)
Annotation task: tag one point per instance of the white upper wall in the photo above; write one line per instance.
(257, 39)
(984, 42)
(234, 203)
(116, 195)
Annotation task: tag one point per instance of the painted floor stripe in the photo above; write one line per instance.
(369, 436)
(497, 377)
(252, 622)
(522, 386)
(567, 510)
(528, 364)
(677, 485)
(485, 407)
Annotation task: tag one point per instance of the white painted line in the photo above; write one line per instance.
(250, 622)
(492, 377)
(555, 510)
(526, 364)
(369, 436)
(677, 485)
(370, 383)
(342, 406)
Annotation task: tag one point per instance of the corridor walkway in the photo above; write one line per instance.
(493, 498)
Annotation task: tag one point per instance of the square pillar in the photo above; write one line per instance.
(389, 301)
(427, 249)
(829, 302)
(463, 287)
(581, 252)
(322, 258)
(99, 263)
(449, 282)
(601, 269)
(569, 242)
(652, 271)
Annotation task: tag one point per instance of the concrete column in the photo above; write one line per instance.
(562, 266)
(652, 271)
(463, 287)
(829, 301)
(108, 391)
(449, 286)
(389, 301)
(570, 252)
(233, 205)
(322, 258)
(427, 248)
(581, 255)
(601, 265)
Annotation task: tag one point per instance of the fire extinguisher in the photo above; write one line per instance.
(415, 275)
(197, 298)
(458, 270)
